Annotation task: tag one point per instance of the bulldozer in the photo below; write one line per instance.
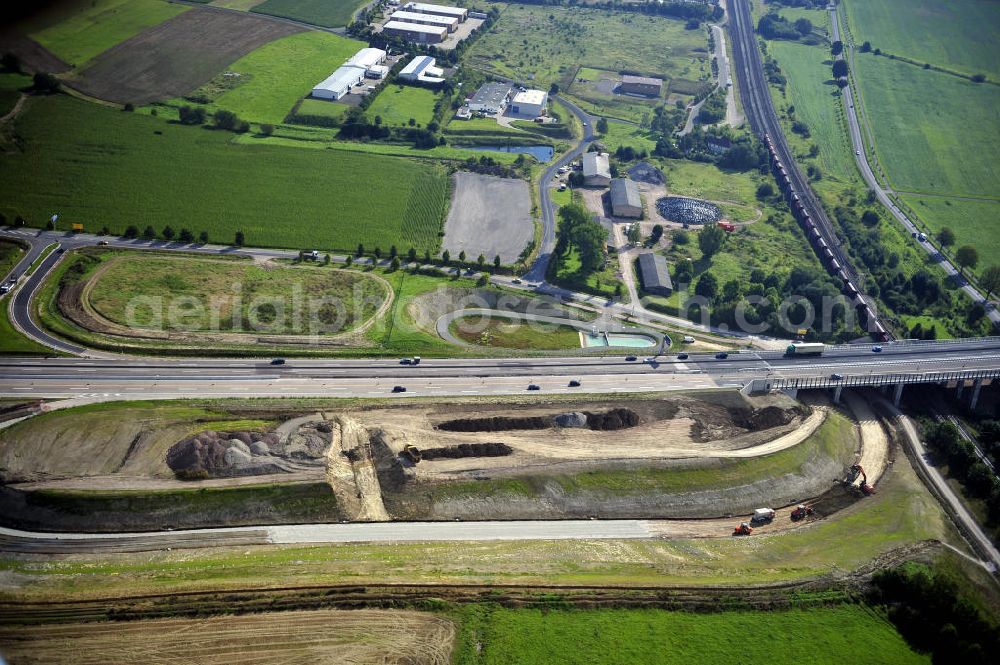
(412, 453)
(744, 529)
(858, 471)
(801, 512)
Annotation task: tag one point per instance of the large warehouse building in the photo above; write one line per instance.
(491, 98)
(596, 169)
(654, 274)
(449, 22)
(339, 83)
(437, 10)
(529, 103)
(414, 32)
(625, 200)
(421, 69)
(640, 85)
(367, 57)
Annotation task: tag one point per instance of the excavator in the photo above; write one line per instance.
(744, 529)
(801, 512)
(858, 470)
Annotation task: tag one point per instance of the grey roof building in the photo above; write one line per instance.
(596, 169)
(625, 200)
(654, 274)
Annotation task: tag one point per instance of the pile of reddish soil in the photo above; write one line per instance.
(467, 450)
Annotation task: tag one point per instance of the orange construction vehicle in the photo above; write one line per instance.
(858, 470)
(744, 529)
(801, 512)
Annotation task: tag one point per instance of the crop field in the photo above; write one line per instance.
(528, 46)
(934, 133)
(328, 13)
(510, 334)
(280, 73)
(819, 635)
(101, 24)
(398, 104)
(959, 35)
(268, 638)
(817, 103)
(127, 279)
(176, 56)
(967, 218)
(75, 154)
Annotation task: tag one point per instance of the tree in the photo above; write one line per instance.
(445, 257)
(496, 261)
(131, 232)
(148, 233)
(394, 264)
(191, 116)
(866, 47)
(966, 256)
(378, 252)
(50, 225)
(657, 233)
(349, 261)
(223, 119)
(633, 233)
(393, 252)
(707, 286)
(839, 69)
(710, 239)
(105, 231)
(602, 125)
(240, 238)
(45, 83)
(870, 218)
(579, 230)
(946, 237)
(990, 280)
(765, 190)
(411, 255)
(461, 256)
(554, 89)
(168, 232)
(129, 107)
(203, 237)
(427, 256)
(732, 290)
(481, 261)
(803, 26)
(186, 236)
(361, 250)
(837, 48)
(266, 129)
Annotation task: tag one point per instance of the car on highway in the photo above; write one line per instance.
(6, 287)
(405, 361)
(630, 359)
(682, 356)
(721, 355)
(399, 389)
(533, 386)
(688, 339)
(857, 152)
(277, 361)
(515, 281)
(876, 349)
(103, 243)
(836, 377)
(574, 383)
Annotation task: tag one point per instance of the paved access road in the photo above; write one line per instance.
(861, 157)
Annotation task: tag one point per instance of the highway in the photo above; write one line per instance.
(759, 109)
(861, 158)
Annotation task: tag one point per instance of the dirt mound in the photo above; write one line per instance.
(467, 450)
(222, 455)
(496, 424)
(761, 419)
(614, 419)
(646, 172)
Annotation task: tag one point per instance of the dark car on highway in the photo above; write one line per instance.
(277, 361)
(682, 356)
(630, 359)
(399, 389)
(574, 384)
(533, 386)
(721, 355)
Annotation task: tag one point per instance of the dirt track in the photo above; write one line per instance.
(875, 452)
(318, 636)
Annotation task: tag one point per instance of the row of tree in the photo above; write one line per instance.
(944, 439)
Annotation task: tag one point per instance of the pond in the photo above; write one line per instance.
(688, 211)
(542, 153)
(635, 341)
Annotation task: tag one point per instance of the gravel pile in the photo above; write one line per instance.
(646, 172)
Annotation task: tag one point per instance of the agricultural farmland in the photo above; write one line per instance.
(76, 154)
(328, 13)
(275, 76)
(527, 45)
(98, 25)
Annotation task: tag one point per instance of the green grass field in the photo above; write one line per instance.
(174, 281)
(934, 133)
(100, 24)
(621, 134)
(510, 334)
(974, 223)
(527, 45)
(819, 635)
(323, 108)
(328, 13)
(397, 104)
(99, 167)
(282, 72)
(954, 34)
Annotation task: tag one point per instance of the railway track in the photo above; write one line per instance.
(804, 203)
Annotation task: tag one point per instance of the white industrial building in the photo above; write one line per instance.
(377, 72)
(437, 10)
(421, 69)
(415, 32)
(449, 22)
(596, 169)
(529, 103)
(339, 83)
(367, 57)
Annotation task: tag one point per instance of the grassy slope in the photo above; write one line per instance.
(954, 34)
(399, 103)
(100, 25)
(934, 132)
(284, 71)
(974, 222)
(819, 635)
(328, 13)
(75, 154)
(510, 334)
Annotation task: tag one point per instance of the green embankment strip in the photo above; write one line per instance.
(38, 260)
(101, 25)
(12, 342)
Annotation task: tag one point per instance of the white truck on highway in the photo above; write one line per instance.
(805, 349)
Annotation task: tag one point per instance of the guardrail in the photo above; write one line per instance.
(868, 380)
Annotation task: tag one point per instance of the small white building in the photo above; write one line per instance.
(377, 72)
(339, 83)
(404, 16)
(529, 103)
(367, 57)
(421, 69)
(596, 169)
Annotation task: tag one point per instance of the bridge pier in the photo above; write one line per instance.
(898, 394)
(836, 394)
(976, 387)
(959, 388)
